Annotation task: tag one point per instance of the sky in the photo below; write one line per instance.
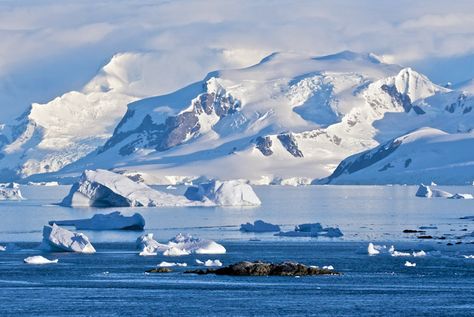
(50, 47)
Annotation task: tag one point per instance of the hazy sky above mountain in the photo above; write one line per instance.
(49, 47)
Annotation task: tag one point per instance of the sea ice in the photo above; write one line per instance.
(10, 191)
(259, 226)
(171, 264)
(112, 221)
(101, 188)
(410, 264)
(56, 238)
(182, 244)
(38, 259)
(426, 191)
(226, 193)
(312, 230)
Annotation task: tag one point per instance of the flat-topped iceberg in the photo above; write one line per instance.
(312, 230)
(259, 226)
(225, 193)
(101, 188)
(10, 191)
(428, 192)
(112, 221)
(56, 238)
(38, 259)
(182, 244)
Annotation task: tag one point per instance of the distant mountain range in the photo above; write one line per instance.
(344, 118)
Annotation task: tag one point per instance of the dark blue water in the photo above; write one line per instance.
(113, 283)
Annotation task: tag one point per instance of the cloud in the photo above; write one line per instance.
(49, 47)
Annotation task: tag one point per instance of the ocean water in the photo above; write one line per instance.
(113, 282)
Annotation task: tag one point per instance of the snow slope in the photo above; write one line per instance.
(422, 156)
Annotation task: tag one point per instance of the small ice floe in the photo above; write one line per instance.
(170, 187)
(10, 191)
(373, 249)
(419, 253)
(38, 259)
(210, 263)
(259, 226)
(468, 256)
(312, 230)
(410, 264)
(112, 221)
(461, 196)
(3, 248)
(56, 238)
(182, 244)
(226, 193)
(10, 247)
(328, 267)
(171, 264)
(426, 191)
(398, 253)
(48, 184)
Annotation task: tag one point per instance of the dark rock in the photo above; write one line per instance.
(264, 144)
(159, 270)
(413, 231)
(425, 237)
(459, 242)
(402, 99)
(289, 142)
(259, 268)
(449, 243)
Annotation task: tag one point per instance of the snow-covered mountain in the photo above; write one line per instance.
(287, 117)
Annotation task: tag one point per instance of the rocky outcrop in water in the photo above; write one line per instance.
(259, 268)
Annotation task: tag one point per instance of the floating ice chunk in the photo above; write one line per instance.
(226, 193)
(461, 196)
(410, 264)
(10, 247)
(174, 251)
(103, 188)
(113, 221)
(312, 230)
(56, 238)
(3, 248)
(38, 259)
(199, 262)
(372, 249)
(170, 264)
(398, 253)
(433, 184)
(170, 187)
(10, 191)
(182, 244)
(328, 267)
(468, 256)
(213, 263)
(419, 253)
(49, 184)
(147, 251)
(426, 191)
(259, 226)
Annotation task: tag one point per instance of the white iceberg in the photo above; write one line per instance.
(373, 249)
(171, 264)
(101, 188)
(410, 264)
(113, 221)
(56, 238)
(10, 191)
(259, 226)
(428, 192)
(3, 248)
(461, 196)
(209, 263)
(398, 253)
(38, 259)
(419, 253)
(49, 184)
(328, 267)
(226, 193)
(312, 230)
(468, 256)
(182, 244)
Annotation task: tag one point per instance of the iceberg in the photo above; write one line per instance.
(112, 221)
(410, 264)
(461, 196)
(209, 263)
(49, 184)
(373, 249)
(101, 188)
(419, 253)
(38, 259)
(226, 193)
(312, 230)
(56, 238)
(10, 191)
(259, 226)
(428, 192)
(171, 264)
(181, 244)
